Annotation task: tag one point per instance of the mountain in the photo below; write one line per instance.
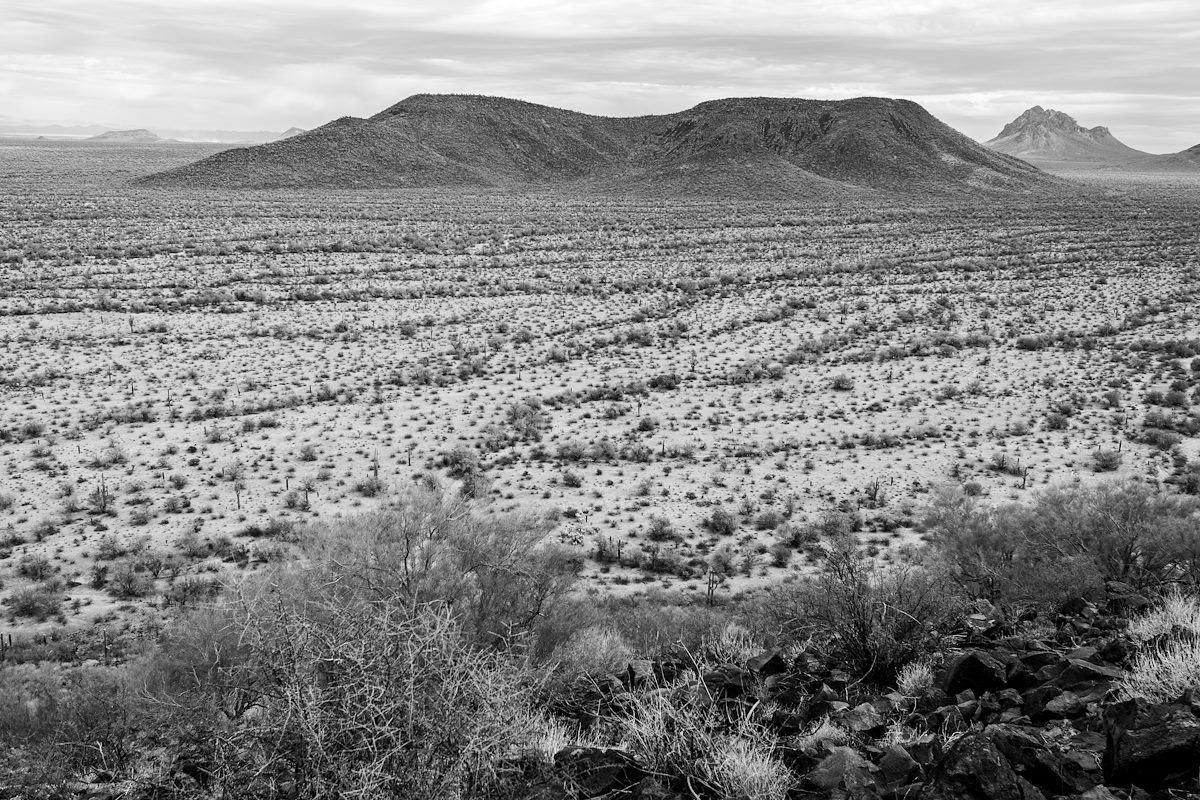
(137, 136)
(742, 146)
(289, 133)
(1041, 134)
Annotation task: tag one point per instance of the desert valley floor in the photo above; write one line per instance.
(188, 376)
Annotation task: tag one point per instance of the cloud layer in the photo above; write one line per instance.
(270, 64)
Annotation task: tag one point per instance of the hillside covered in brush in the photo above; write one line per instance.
(738, 146)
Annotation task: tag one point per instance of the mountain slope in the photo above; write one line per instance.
(748, 146)
(1183, 161)
(1041, 134)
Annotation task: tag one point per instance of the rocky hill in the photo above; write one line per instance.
(1041, 134)
(1183, 161)
(136, 136)
(289, 133)
(741, 146)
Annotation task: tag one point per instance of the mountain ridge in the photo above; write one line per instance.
(749, 145)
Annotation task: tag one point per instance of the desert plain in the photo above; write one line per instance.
(694, 389)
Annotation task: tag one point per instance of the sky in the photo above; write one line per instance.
(274, 64)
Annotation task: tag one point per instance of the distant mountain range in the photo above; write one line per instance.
(757, 146)
(14, 127)
(1044, 136)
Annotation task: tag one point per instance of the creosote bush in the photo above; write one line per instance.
(1067, 542)
(875, 619)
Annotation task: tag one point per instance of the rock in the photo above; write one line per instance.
(1035, 702)
(825, 693)
(1098, 793)
(866, 719)
(1075, 607)
(788, 689)
(897, 767)
(596, 771)
(974, 769)
(1123, 599)
(1151, 745)
(1066, 706)
(948, 719)
(825, 708)
(767, 664)
(986, 620)
(1040, 658)
(787, 723)
(844, 769)
(1051, 771)
(1080, 673)
(725, 682)
(1117, 651)
(925, 749)
(653, 789)
(975, 670)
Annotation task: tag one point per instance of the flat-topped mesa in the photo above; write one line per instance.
(135, 136)
(744, 146)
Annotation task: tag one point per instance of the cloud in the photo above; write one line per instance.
(274, 63)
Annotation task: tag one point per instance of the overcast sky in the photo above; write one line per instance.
(272, 64)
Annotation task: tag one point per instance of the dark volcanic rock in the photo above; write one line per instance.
(976, 670)
(1151, 745)
(846, 770)
(974, 769)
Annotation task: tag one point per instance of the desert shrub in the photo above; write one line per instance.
(656, 625)
(1162, 673)
(192, 589)
(1106, 460)
(496, 570)
(125, 582)
(369, 487)
(841, 383)
(596, 650)
(661, 529)
(915, 679)
(722, 522)
(768, 520)
(36, 567)
(527, 420)
(461, 461)
(572, 451)
(871, 618)
(66, 720)
(1068, 541)
(352, 697)
(39, 602)
(699, 745)
(1178, 613)
(109, 548)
